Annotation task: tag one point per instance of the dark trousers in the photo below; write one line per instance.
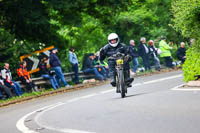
(168, 61)
(146, 63)
(16, 87)
(6, 90)
(29, 86)
(75, 69)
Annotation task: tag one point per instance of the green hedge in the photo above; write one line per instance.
(191, 67)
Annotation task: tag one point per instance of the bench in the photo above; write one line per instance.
(39, 81)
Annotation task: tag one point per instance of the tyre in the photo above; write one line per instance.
(118, 83)
(122, 83)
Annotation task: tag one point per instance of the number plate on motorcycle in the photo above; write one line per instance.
(120, 61)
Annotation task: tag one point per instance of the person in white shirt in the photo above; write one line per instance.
(7, 77)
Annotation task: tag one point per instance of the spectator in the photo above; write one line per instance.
(153, 54)
(166, 54)
(7, 77)
(4, 89)
(96, 63)
(134, 54)
(89, 68)
(181, 53)
(46, 74)
(25, 78)
(143, 51)
(56, 65)
(74, 61)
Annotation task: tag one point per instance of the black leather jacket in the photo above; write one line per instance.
(108, 50)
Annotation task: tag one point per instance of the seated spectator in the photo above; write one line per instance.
(7, 77)
(153, 54)
(2, 97)
(4, 89)
(88, 67)
(105, 66)
(25, 78)
(181, 53)
(96, 63)
(46, 74)
(56, 65)
(74, 62)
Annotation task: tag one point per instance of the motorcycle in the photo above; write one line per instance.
(121, 86)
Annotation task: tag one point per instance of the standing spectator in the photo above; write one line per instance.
(143, 51)
(181, 53)
(46, 74)
(25, 78)
(166, 54)
(56, 65)
(4, 89)
(153, 54)
(89, 68)
(134, 54)
(7, 77)
(74, 61)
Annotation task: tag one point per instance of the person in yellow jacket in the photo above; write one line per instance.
(165, 52)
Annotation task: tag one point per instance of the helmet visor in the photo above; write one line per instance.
(113, 41)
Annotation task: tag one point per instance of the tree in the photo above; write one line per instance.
(187, 21)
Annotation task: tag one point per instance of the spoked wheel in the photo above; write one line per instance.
(118, 83)
(122, 84)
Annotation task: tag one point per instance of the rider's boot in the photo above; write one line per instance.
(113, 81)
(128, 80)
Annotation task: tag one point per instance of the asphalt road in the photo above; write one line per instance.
(153, 105)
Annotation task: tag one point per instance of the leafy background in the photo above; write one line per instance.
(29, 25)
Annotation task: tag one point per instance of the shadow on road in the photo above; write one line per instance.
(129, 96)
(136, 95)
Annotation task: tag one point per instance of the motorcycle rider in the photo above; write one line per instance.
(113, 47)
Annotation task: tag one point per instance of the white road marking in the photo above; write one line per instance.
(21, 126)
(20, 123)
(137, 84)
(177, 88)
(44, 125)
(186, 89)
(147, 82)
(88, 96)
(74, 100)
(107, 91)
(162, 79)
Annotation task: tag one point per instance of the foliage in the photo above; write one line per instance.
(191, 65)
(186, 17)
(29, 25)
(186, 20)
(150, 19)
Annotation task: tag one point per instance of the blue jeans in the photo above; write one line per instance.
(103, 71)
(59, 75)
(135, 64)
(94, 71)
(75, 69)
(16, 87)
(52, 80)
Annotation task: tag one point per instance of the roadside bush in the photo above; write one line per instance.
(192, 63)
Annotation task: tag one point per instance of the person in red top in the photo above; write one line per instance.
(25, 78)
